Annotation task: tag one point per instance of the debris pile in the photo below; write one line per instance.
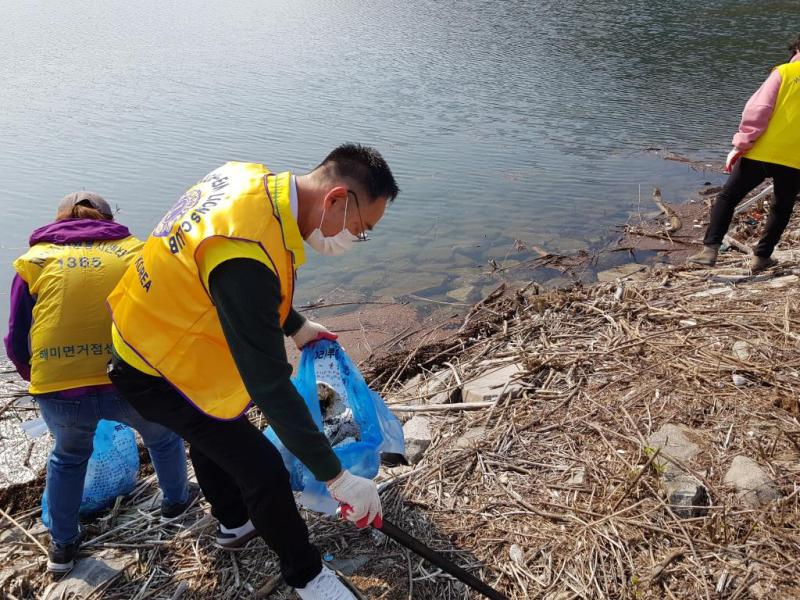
(642, 441)
(638, 438)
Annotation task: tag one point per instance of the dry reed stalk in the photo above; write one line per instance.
(558, 496)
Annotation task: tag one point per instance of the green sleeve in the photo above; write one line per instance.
(247, 297)
(293, 322)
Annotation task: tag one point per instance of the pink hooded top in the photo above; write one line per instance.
(758, 110)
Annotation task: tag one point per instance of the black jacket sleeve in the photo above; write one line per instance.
(247, 296)
(293, 322)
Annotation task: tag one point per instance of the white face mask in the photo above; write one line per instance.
(333, 245)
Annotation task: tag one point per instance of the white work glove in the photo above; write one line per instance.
(731, 159)
(311, 332)
(358, 498)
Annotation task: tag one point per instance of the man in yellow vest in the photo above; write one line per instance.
(766, 145)
(198, 325)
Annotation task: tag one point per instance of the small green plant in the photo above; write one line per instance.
(659, 467)
(638, 592)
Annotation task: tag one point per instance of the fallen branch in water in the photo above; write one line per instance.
(675, 222)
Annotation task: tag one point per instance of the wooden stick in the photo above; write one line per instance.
(23, 530)
(443, 407)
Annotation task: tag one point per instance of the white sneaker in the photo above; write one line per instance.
(325, 586)
(236, 537)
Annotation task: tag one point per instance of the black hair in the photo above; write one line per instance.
(364, 165)
(794, 46)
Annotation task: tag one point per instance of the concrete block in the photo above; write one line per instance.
(417, 433)
(488, 386)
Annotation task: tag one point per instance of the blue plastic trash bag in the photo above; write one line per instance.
(111, 471)
(354, 418)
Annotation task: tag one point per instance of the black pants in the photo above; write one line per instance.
(240, 472)
(746, 175)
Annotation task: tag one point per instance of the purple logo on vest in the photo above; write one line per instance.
(186, 202)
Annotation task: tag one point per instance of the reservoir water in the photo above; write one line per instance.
(502, 121)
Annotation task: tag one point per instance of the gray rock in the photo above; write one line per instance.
(409, 283)
(687, 496)
(88, 576)
(461, 294)
(417, 433)
(753, 486)
(628, 271)
(780, 282)
(488, 386)
(675, 441)
(471, 437)
(516, 554)
(431, 389)
(348, 566)
(739, 381)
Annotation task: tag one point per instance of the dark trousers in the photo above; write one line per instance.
(746, 175)
(240, 472)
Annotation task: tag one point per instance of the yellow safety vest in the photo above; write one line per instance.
(70, 337)
(161, 308)
(780, 143)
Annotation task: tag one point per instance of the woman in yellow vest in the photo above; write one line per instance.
(59, 339)
(766, 145)
(198, 328)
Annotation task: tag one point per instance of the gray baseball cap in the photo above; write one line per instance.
(88, 198)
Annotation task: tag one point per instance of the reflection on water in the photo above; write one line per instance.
(501, 120)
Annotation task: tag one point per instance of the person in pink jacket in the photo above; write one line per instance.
(766, 145)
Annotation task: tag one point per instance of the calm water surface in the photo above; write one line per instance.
(501, 120)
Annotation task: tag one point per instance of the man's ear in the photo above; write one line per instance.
(334, 195)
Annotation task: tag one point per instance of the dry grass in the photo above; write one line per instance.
(561, 469)
(557, 496)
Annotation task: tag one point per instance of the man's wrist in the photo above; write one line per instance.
(335, 479)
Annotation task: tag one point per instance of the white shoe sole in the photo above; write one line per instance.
(232, 543)
(60, 568)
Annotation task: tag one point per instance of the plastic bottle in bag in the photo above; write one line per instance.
(357, 422)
